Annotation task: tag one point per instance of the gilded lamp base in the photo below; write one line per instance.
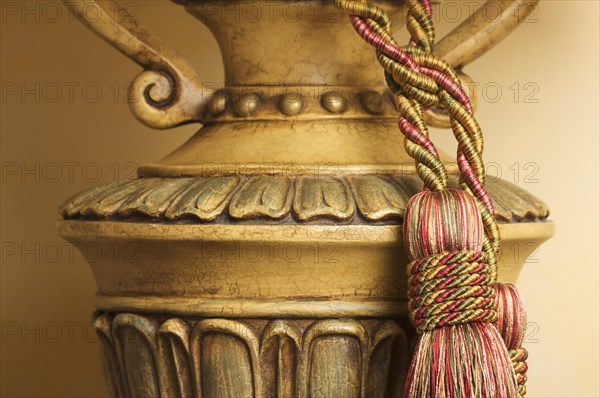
(264, 257)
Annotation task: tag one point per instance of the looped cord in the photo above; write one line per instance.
(419, 79)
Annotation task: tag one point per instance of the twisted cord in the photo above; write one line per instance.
(418, 79)
(518, 358)
(450, 288)
(417, 142)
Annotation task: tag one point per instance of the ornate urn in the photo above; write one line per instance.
(264, 257)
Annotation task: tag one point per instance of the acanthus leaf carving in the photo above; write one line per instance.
(358, 199)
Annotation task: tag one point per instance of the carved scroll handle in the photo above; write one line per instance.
(167, 93)
(486, 27)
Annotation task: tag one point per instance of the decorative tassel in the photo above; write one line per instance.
(459, 353)
(511, 323)
(451, 237)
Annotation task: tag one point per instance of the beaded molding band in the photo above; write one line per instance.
(256, 103)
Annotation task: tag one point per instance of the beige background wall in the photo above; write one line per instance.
(65, 127)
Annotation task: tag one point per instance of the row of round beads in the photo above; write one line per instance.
(291, 104)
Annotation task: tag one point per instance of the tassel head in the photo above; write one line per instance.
(436, 222)
(512, 318)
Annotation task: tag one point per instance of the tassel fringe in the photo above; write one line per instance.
(466, 361)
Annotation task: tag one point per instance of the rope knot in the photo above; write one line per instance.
(450, 288)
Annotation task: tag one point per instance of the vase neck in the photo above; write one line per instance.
(276, 43)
